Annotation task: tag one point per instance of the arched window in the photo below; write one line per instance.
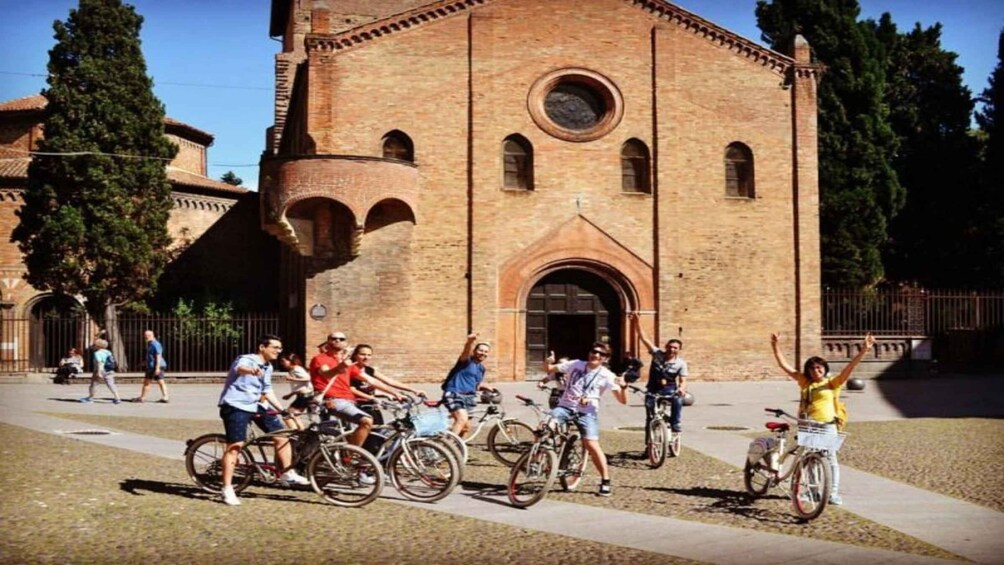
(397, 145)
(739, 171)
(517, 162)
(635, 168)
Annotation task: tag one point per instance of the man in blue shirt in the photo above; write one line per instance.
(154, 369)
(667, 376)
(247, 391)
(463, 383)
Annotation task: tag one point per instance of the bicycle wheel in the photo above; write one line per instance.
(345, 475)
(673, 444)
(457, 444)
(756, 478)
(423, 470)
(573, 463)
(810, 486)
(658, 442)
(204, 463)
(509, 439)
(532, 476)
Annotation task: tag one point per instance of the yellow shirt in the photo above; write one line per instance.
(818, 397)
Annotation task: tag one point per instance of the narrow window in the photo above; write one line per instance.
(739, 171)
(397, 145)
(517, 162)
(635, 169)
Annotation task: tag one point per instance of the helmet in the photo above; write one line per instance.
(491, 397)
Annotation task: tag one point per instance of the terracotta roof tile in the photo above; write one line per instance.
(36, 102)
(14, 168)
(186, 178)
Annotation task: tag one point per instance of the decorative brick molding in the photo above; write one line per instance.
(359, 183)
(184, 201)
(593, 81)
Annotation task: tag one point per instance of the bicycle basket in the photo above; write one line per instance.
(429, 422)
(815, 436)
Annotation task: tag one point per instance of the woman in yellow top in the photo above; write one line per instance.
(819, 392)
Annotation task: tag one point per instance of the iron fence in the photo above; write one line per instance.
(911, 312)
(191, 344)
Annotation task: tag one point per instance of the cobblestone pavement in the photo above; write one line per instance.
(962, 529)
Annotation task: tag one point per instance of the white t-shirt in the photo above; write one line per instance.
(300, 386)
(581, 381)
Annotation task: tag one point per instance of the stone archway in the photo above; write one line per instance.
(56, 323)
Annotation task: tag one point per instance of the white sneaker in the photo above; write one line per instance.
(294, 478)
(367, 479)
(230, 497)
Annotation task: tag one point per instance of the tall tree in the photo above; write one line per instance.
(930, 112)
(859, 191)
(989, 217)
(94, 222)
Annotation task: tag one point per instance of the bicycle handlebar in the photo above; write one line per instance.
(778, 413)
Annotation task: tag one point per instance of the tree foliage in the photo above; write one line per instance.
(859, 190)
(989, 216)
(231, 178)
(95, 216)
(932, 240)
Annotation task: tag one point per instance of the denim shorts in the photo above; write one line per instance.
(588, 424)
(454, 401)
(154, 375)
(235, 422)
(347, 410)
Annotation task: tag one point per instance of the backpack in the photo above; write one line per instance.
(110, 364)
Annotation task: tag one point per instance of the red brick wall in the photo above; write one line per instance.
(724, 267)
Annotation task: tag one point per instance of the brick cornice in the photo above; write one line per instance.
(438, 11)
(699, 26)
(400, 22)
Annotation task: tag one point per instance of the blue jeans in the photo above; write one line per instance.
(588, 424)
(675, 412)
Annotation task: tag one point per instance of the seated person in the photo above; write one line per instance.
(69, 366)
(334, 384)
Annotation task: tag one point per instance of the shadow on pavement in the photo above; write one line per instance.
(945, 397)
(739, 503)
(142, 487)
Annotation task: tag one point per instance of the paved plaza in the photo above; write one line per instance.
(716, 426)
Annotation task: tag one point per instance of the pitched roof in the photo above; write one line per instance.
(436, 11)
(37, 103)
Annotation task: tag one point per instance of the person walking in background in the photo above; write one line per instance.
(155, 365)
(103, 371)
(819, 395)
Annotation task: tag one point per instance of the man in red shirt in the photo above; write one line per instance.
(332, 377)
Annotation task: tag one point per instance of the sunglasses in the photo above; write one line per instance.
(598, 352)
(337, 338)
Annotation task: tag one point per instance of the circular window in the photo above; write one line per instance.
(575, 104)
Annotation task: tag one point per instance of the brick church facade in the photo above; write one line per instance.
(534, 171)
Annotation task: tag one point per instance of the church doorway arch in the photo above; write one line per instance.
(566, 311)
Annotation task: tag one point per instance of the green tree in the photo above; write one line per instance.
(930, 110)
(231, 178)
(989, 216)
(94, 222)
(859, 190)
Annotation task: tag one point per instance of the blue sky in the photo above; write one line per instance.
(212, 60)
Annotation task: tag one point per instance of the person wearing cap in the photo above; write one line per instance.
(461, 386)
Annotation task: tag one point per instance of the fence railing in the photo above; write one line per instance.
(910, 312)
(191, 344)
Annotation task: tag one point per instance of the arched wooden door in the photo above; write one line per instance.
(566, 312)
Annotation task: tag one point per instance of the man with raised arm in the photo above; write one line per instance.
(466, 378)
(667, 376)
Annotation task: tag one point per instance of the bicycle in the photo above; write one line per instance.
(556, 453)
(772, 460)
(342, 474)
(421, 465)
(662, 441)
(508, 438)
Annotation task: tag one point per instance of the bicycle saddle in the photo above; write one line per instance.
(778, 426)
